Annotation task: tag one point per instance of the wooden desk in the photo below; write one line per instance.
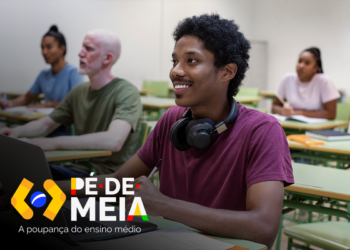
(64, 155)
(15, 95)
(146, 91)
(267, 93)
(314, 126)
(156, 102)
(319, 181)
(25, 116)
(248, 99)
(338, 147)
(10, 224)
(338, 151)
(162, 223)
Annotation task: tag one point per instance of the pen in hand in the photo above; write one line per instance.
(155, 169)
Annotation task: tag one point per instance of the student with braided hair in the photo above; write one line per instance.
(55, 82)
(309, 91)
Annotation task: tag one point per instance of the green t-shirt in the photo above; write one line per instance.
(93, 111)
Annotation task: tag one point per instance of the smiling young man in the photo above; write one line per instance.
(106, 112)
(233, 187)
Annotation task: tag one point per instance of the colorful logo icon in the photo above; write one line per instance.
(137, 210)
(38, 199)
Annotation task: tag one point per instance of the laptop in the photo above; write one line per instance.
(20, 160)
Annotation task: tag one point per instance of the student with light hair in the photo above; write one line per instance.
(106, 112)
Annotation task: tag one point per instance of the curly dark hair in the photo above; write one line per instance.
(222, 38)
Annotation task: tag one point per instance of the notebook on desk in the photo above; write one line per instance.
(328, 135)
(21, 160)
(299, 118)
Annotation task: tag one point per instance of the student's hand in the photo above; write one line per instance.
(287, 111)
(152, 198)
(8, 104)
(9, 132)
(47, 144)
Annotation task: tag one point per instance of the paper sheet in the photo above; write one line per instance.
(173, 238)
(299, 118)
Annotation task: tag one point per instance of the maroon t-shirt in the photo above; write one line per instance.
(253, 150)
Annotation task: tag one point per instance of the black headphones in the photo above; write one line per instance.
(187, 132)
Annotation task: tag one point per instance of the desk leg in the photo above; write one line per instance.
(279, 234)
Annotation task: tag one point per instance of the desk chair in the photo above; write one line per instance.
(252, 107)
(155, 178)
(343, 112)
(325, 235)
(160, 88)
(243, 91)
(143, 135)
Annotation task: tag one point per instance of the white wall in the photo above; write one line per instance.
(145, 28)
(289, 26)
(23, 23)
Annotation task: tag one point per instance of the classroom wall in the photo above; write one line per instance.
(145, 28)
(289, 26)
(23, 23)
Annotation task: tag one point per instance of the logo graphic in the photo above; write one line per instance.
(137, 210)
(38, 199)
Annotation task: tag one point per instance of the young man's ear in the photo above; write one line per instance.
(230, 71)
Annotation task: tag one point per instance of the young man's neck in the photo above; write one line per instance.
(217, 110)
(58, 66)
(101, 79)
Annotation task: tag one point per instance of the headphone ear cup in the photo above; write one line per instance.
(198, 132)
(177, 134)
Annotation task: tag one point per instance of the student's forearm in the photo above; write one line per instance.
(99, 140)
(19, 101)
(41, 127)
(248, 225)
(317, 113)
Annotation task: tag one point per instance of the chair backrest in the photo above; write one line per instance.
(248, 91)
(343, 111)
(160, 88)
(256, 108)
(143, 134)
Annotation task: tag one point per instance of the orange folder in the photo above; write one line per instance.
(305, 140)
